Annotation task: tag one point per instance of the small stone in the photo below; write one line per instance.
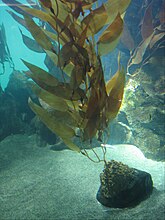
(123, 186)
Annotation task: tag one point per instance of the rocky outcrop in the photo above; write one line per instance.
(142, 116)
(122, 186)
(16, 117)
(14, 111)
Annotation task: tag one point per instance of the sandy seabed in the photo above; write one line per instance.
(38, 183)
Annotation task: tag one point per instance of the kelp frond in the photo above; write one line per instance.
(81, 104)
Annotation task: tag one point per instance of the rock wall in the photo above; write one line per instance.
(142, 117)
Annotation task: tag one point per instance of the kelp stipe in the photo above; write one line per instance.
(81, 96)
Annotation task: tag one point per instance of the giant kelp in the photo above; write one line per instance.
(80, 105)
(152, 33)
(4, 50)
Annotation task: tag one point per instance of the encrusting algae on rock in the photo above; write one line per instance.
(122, 186)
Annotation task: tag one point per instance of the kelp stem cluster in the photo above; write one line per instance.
(80, 106)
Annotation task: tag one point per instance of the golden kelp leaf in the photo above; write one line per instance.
(76, 116)
(13, 4)
(40, 14)
(138, 54)
(40, 76)
(17, 18)
(52, 56)
(71, 145)
(31, 44)
(67, 53)
(76, 77)
(53, 21)
(51, 122)
(95, 20)
(52, 85)
(38, 34)
(53, 36)
(62, 10)
(110, 37)
(90, 129)
(71, 52)
(116, 94)
(46, 3)
(115, 7)
(64, 118)
(54, 101)
(63, 131)
(82, 37)
(74, 27)
(68, 68)
(93, 104)
(112, 81)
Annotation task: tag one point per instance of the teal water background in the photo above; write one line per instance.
(16, 46)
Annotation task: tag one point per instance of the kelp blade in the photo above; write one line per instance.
(115, 91)
(110, 37)
(64, 131)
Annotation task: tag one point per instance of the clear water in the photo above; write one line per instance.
(29, 165)
(16, 46)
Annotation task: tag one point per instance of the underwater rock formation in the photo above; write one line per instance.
(13, 109)
(122, 186)
(15, 115)
(142, 116)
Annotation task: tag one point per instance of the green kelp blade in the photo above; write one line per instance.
(52, 56)
(31, 44)
(53, 36)
(55, 23)
(40, 76)
(14, 5)
(115, 96)
(46, 3)
(54, 101)
(17, 18)
(52, 85)
(114, 7)
(90, 128)
(38, 34)
(76, 77)
(63, 131)
(62, 10)
(110, 37)
(95, 20)
(71, 145)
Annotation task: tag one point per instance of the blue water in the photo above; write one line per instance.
(16, 46)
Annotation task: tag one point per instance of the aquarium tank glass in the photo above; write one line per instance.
(82, 117)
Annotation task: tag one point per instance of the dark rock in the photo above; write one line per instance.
(16, 117)
(15, 113)
(122, 186)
